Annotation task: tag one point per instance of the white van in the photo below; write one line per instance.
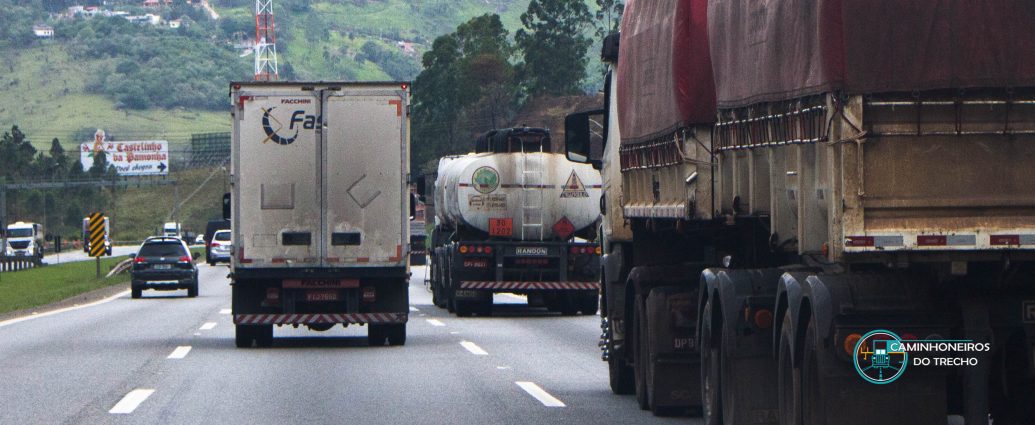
(24, 240)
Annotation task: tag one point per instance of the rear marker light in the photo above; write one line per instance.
(488, 250)
(597, 250)
(850, 341)
(764, 319)
(463, 249)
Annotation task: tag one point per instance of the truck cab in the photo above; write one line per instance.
(24, 240)
(171, 229)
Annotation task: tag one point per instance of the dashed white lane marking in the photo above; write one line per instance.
(63, 310)
(130, 402)
(224, 311)
(412, 308)
(473, 348)
(436, 322)
(502, 367)
(180, 352)
(208, 325)
(544, 397)
(454, 333)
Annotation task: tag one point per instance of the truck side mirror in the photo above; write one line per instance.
(226, 206)
(584, 137)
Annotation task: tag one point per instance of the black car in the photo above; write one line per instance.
(165, 264)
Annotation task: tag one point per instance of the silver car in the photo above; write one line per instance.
(220, 247)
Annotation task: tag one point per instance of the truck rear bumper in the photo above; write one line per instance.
(332, 318)
(528, 286)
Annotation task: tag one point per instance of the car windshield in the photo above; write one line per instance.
(222, 236)
(19, 233)
(162, 249)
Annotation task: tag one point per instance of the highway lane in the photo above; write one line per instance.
(515, 367)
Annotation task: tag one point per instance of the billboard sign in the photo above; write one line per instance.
(131, 158)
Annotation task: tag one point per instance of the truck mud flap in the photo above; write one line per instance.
(676, 369)
(306, 319)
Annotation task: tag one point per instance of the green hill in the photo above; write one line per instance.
(51, 89)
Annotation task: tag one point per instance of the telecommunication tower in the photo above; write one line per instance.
(265, 42)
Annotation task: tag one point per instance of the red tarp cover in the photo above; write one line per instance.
(664, 70)
(779, 49)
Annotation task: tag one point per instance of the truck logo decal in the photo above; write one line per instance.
(271, 133)
(485, 179)
(574, 188)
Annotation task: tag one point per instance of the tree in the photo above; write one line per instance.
(608, 16)
(554, 46)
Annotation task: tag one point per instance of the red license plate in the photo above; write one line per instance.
(321, 295)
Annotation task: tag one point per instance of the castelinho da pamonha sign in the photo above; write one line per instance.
(131, 158)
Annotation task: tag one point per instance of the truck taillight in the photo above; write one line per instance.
(464, 249)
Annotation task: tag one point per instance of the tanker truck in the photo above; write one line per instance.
(506, 220)
(819, 212)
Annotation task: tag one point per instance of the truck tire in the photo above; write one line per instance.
(788, 377)
(620, 375)
(244, 335)
(589, 304)
(640, 357)
(811, 396)
(397, 334)
(136, 292)
(264, 336)
(463, 308)
(377, 334)
(485, 307)
(711, 393)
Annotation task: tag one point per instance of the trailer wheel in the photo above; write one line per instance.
(485, 307)
(136, 292)
(396, 334)
(376, 335)
(243, 336)
(620, 375)
(788, 377)
(811, 395)
(710, 368)
(589, 304)
(264, 336)
(640, 357)
(463, 308)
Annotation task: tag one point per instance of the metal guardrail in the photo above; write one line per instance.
(17, 263)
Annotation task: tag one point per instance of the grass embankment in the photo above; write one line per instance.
(140, 212)
(44, 285)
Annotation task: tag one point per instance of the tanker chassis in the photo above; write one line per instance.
(506, 218)
(772, 240)
(319, 208)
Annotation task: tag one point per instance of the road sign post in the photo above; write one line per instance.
(98, 234)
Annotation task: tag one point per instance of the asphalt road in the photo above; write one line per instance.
(171, 359)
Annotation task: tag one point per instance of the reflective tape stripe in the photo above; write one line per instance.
(283, 319)
(489, 284)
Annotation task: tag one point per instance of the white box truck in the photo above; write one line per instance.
(320, 208)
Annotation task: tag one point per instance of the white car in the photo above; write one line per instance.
(200, 240)
(220, 247)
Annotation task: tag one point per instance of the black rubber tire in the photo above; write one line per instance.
(396, 334)
(211, 263)
(811, 390)
(463, 308)
(136, 292)
(264, 336)
(567, 305)
(243, 336)
(620, 375)
(485, 307)
(192, 291)
(589, 304)
(640, 359)
(711, 403)
(376, 335)
(788, 377)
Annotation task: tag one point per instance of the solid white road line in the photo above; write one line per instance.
(224, 311)
(436, 322)
(58, 311)
(412, 308)
(544, 397)
(473, 348)
(180, 352)
(208, 325)
(130, 402)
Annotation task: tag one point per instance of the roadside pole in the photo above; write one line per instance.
(98, 267)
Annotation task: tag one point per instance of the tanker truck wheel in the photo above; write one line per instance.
(589, 303)
(710, 367)
(463, 308)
